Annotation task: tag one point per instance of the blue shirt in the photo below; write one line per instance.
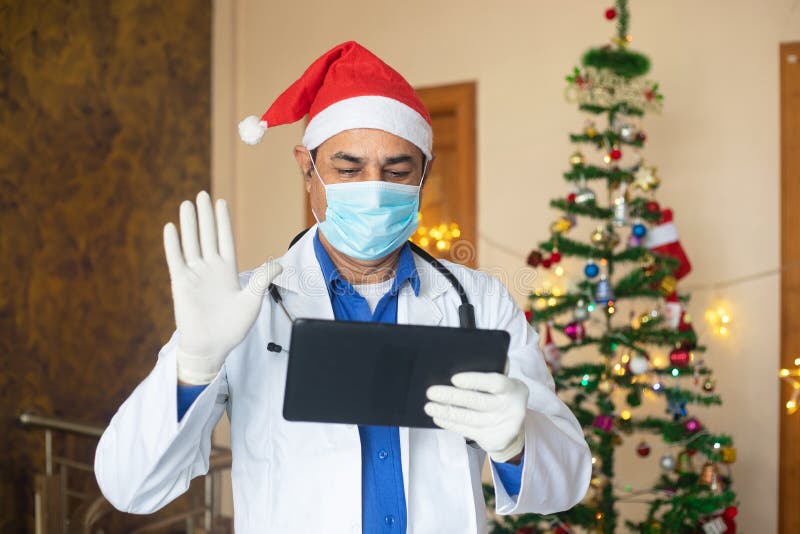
(383, 494)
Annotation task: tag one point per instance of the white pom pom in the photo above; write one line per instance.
(252, 129)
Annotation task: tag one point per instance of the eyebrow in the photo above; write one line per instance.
(393, 160)
(347, 157)
(403, 158)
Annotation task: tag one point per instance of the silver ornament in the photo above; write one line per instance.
(580, 313)
(639, 365)
(584, 195)
(667, 462)
(627, 133)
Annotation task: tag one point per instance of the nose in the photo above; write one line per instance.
(372, 173)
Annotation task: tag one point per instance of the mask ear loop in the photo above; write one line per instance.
(320, 181)
(424, 173)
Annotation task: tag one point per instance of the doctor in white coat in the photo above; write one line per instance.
(365, 153)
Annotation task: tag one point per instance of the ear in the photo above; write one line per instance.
(303, 159)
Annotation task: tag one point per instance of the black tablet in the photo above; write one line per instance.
(377, 374)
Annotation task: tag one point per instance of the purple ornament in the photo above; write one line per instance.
(634, 241)
(692, 425)
(575, 331)
(603, 422)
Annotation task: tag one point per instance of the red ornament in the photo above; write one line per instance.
(525, 530)
(555, 257)
(653, 207)
(730, 512)
(680, 357)
(616, 154)
(528, 315)
(643, 449)
(571, 198)
(611, 13)
(534, 258)
(546, 262)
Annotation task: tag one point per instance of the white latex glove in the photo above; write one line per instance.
(212, 312)
(488, 408)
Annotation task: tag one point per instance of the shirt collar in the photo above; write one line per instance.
(405, 269)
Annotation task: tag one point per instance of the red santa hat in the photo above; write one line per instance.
(347, 87)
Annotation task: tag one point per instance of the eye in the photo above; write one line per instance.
(398, 175)
(347, 173)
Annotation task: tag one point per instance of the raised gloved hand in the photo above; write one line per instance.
(488, 408)
(213, 312)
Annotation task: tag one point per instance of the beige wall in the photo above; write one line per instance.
(716, 147)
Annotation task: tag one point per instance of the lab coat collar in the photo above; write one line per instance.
(302, 273)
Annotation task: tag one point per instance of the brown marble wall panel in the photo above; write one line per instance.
(104, 128)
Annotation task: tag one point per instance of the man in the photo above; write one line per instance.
(365, 155)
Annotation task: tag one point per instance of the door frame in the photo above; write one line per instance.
(789, 467)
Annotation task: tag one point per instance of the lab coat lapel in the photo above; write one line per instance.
(303, 287)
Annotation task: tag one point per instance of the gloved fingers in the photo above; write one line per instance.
(465, 398)
(487, 382)
(262, 277)
(461, 416)
(208, 229)
(191, 248)
(465, 430)
(227, 248)
(172, 249)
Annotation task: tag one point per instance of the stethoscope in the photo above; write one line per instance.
(466, 312)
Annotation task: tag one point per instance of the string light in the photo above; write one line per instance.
(719, 319)
(439, 237)
(792, 376)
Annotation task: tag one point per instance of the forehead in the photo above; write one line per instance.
(368, 142)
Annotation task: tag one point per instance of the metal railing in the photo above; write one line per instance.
(52, 491)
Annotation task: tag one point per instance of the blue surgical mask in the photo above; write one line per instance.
(368, 220)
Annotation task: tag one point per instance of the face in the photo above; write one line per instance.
(359, 155)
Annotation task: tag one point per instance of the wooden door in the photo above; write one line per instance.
(789, 520)
(449, 195)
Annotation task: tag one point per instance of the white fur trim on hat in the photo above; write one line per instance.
(378, 112)
(252, 129)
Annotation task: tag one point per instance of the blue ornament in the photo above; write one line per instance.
(639, 230)
(591, 270)
(677, 408)
(603, 292)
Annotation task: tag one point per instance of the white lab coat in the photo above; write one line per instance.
(291, 477)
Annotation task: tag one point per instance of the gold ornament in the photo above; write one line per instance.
(605, 386)
(728, 454)
(709, 476)
(645, 178)
(684, 463)
(648, 263)
(607, 89)
(668, 285)
(599, 482)
(590, 130)
(603, 238)
(561, 225)
(577, 158)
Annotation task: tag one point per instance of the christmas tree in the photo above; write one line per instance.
(624, 306)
